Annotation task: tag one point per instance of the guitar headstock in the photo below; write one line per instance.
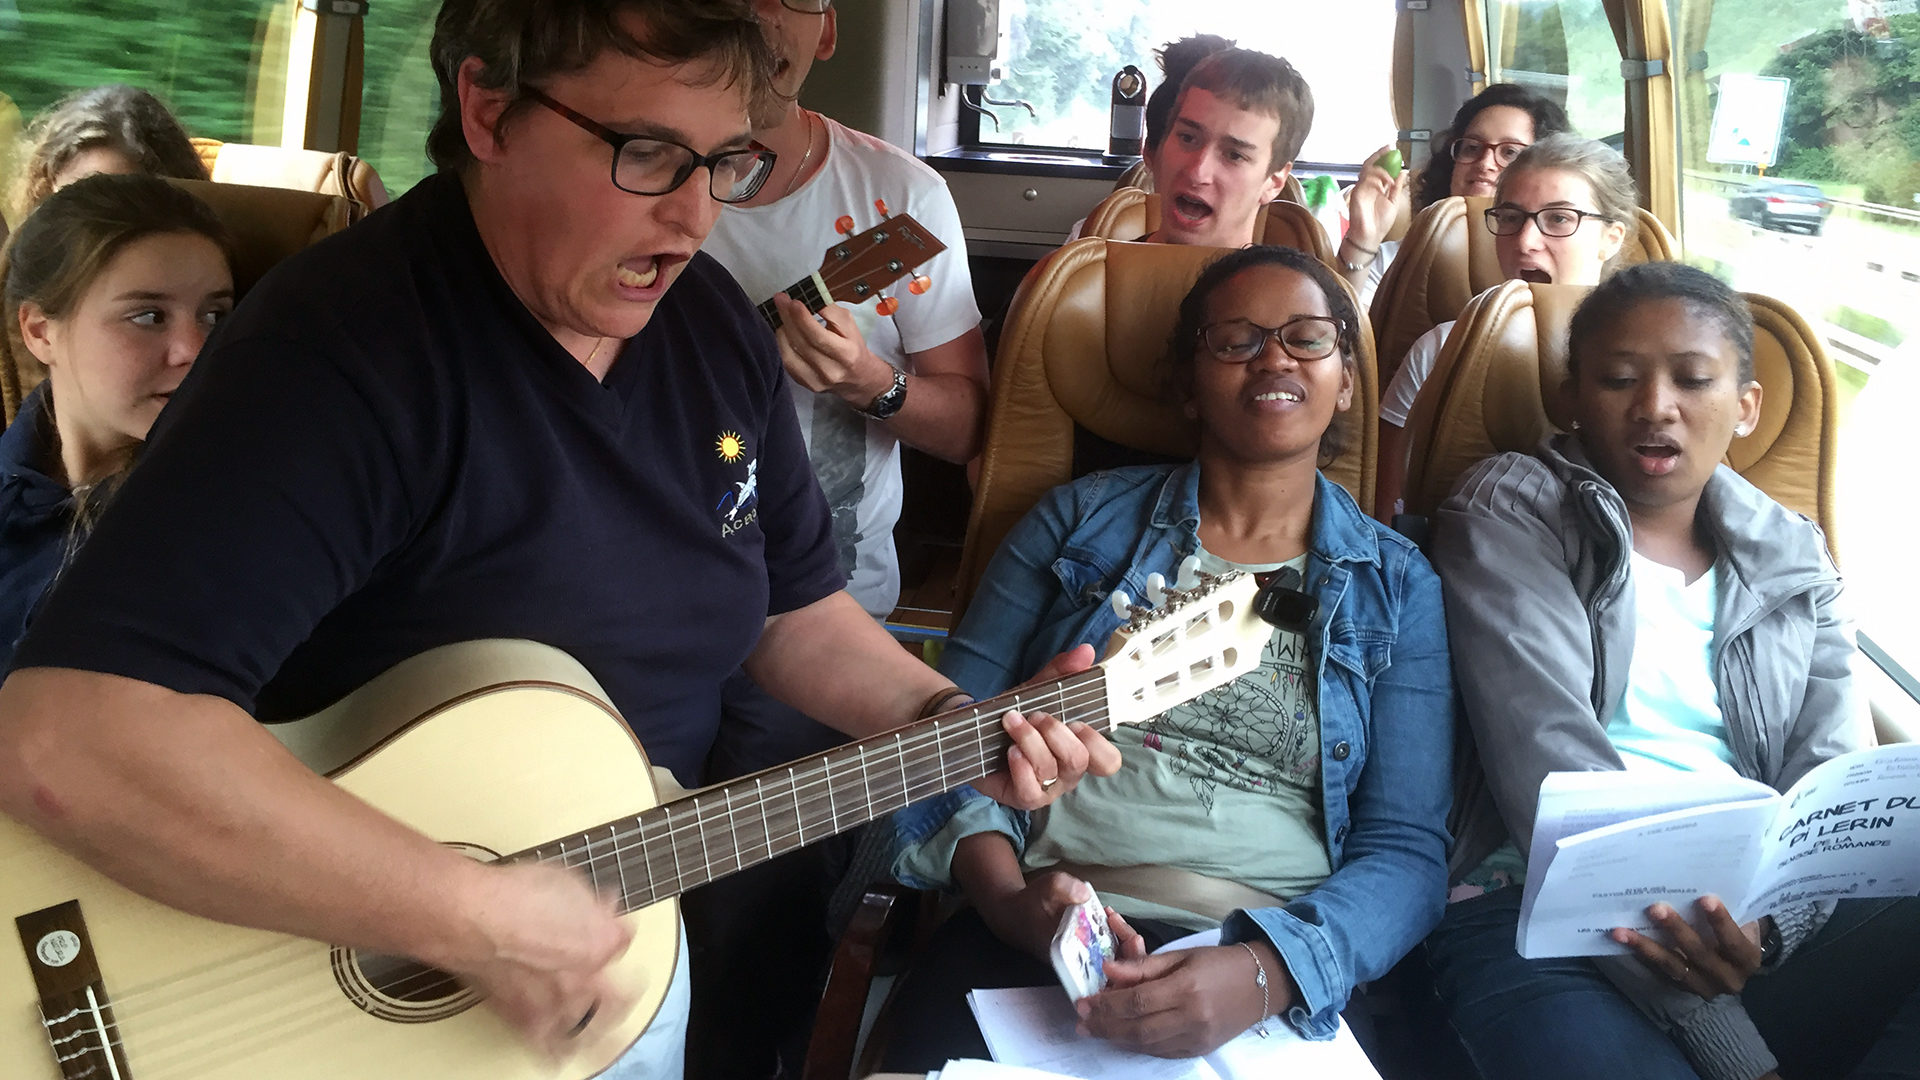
(1198, 638)
(857, 268)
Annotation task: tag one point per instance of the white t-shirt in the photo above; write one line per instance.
(1396, 402)
(769, 248)
(1376, 270)
(1670, 718)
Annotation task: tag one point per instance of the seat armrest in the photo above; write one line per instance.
(836, 1027)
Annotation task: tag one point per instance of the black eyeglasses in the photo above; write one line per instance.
(807, 7)
(1472, 150)
(645, 165)
(1303, 337)
(1553, 221)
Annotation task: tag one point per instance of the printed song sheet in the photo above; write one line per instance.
(1607, 845)
(1034, 1027)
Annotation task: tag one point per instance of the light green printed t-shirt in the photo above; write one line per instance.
(1226, 785)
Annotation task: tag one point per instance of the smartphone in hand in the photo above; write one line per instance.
(1081, 948)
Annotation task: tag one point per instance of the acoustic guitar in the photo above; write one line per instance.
(507, 750)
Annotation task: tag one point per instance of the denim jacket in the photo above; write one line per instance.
(1379, 650)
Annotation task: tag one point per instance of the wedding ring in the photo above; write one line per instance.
(584, 1021)
(1047, 784)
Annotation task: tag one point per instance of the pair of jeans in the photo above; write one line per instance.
(1846, 1004)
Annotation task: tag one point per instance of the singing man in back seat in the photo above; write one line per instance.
(1241, 119)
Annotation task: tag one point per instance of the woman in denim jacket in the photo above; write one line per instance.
(1300, 809)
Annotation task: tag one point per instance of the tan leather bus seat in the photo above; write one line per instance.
(1447, 258)
(1497, 387)
(268, 224)
(1081, 354)
(1129, 214)
(301, 170)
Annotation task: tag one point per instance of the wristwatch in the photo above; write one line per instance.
(889, 402)
(1770, 942)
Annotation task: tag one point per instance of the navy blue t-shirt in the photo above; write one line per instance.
(382, 451)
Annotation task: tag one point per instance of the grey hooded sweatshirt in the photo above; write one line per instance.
(1532, 553)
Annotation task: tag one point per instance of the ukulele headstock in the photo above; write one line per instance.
(857, 268)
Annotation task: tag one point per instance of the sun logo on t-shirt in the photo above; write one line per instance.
(730, 446)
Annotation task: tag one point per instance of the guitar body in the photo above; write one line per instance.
(517, 748)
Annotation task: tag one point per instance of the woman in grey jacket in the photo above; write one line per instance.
(1555, 566)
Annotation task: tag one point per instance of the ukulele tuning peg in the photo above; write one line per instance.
(844, 225)
(887, 305)
(881, 205)
(920, 284)
(1122, 603)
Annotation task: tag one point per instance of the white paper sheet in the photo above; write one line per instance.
(1034, 1027)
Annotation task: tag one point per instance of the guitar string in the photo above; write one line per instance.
(331, 992)
(691, 827)
(974, 764)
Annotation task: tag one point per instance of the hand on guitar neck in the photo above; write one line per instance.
(1068, 751)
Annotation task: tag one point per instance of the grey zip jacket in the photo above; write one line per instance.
(1532, 553)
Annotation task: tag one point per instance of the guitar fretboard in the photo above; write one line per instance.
(691, 841)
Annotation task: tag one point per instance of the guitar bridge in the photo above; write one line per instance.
(75, 1011)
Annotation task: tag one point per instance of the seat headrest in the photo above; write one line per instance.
(1129, 214)
(301, 170)
(1448, 257)
(268, 224)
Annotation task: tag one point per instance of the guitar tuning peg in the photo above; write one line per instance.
(920, 284)
(843, 225)
(1121, 602)
(1189, 574)
(1156, 589)
(881, 205)
(887, 305)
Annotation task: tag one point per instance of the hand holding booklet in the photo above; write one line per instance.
(1607, 845)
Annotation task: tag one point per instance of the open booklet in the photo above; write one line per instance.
(1034, 1027)
(1607, 845)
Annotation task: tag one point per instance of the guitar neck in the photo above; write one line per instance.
(809, 290)
(721, 830)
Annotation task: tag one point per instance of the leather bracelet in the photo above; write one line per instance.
(1260, 976)
(935, 704)
(1354, 268)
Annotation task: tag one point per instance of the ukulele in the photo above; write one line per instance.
(509, 751)
(857, 268)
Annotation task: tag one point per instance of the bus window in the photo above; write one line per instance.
(1799, 130)
(1564, 51)
(399, 97)
(1050, 60)
(220, 65)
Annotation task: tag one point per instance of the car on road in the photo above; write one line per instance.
(1781, 204)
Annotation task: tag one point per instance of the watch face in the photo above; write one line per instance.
(889, 403)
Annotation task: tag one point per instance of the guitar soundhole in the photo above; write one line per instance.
(399, 989)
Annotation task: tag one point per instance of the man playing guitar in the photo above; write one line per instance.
(482, 413)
